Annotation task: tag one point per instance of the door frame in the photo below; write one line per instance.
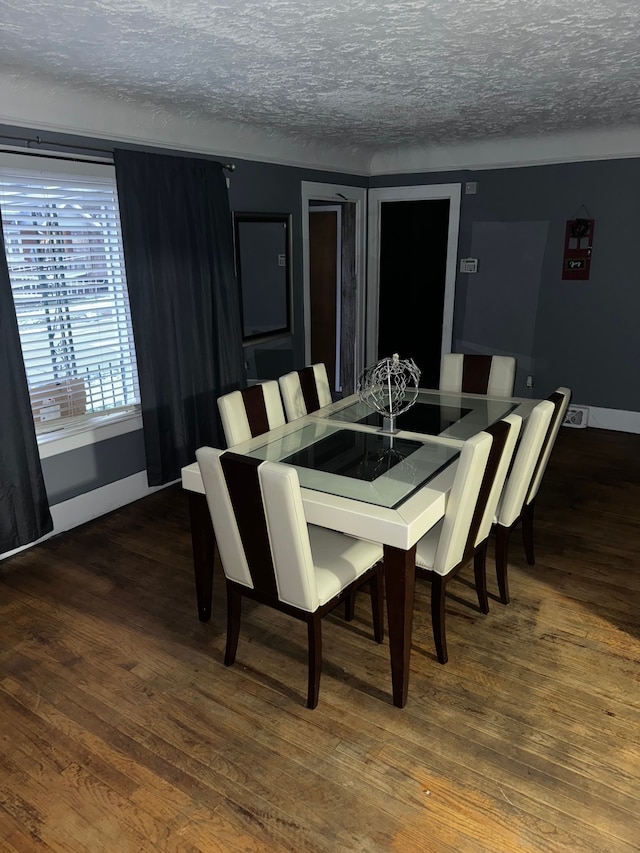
(413, 193)
(335, 194)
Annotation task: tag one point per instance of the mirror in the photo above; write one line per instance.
(263, 269)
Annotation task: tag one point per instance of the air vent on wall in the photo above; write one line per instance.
(576, 416)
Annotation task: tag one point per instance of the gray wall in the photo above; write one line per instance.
(79, 471)
(582, 334)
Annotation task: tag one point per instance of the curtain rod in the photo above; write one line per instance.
(230, 167)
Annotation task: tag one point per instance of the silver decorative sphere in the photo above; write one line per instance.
(390, 386)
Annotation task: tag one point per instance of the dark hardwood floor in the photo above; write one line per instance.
(122, 730)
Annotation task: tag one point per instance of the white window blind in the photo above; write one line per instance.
(64, 251)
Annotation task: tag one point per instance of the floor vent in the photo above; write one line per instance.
(576, 416)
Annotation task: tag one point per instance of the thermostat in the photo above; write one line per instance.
(468, 265)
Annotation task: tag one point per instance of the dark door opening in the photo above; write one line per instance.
(413, 257)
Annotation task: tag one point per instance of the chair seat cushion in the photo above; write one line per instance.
(339, 560)
(426, 547)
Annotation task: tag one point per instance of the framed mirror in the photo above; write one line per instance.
(263, 270)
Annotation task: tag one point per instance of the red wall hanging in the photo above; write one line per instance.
(578, 242)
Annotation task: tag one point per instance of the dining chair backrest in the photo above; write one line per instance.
(478, 374)
(505, 438)
(560, 399)
(305, 391)
(461, 503)
(260, 526)
(524, 463)
(250, 412)
(270, 554)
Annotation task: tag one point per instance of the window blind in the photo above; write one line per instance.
(64, 251)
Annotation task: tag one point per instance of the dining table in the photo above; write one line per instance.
(367, 477)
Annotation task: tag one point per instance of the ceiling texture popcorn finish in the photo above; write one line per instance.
(371, 75)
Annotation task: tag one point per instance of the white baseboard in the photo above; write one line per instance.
(614, 419)
(83, 508)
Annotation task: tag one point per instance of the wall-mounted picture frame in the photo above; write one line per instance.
(263, 270)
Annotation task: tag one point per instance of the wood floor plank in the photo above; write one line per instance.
(15, 838)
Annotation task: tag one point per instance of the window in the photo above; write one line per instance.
(64, 251)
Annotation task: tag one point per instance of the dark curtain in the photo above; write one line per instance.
(24, 510)
(185, 310)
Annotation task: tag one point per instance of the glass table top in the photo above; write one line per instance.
(353, 463)
(456, 416)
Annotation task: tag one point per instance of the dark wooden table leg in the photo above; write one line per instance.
(204, 546)
(400, 580)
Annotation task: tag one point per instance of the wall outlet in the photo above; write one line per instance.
(468, 265)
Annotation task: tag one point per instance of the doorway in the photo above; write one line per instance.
(412, 272)
(341, 308)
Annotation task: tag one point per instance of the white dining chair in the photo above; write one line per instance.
(250, 412)
(478, 374)
(462, 535)
(305, 391)
(518, 499)
(270, 553)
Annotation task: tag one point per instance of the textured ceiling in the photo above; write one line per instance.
(371, 74)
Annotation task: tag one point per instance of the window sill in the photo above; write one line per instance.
(90, 431)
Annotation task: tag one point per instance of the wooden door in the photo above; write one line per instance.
(323, 271)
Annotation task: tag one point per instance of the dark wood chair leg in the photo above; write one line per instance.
(234, 610)
(350, 606)
(502, 552)
(480, 574)
(527, 531)
(438, 585)
(314, 631)
(376, 585)
(204, 549)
